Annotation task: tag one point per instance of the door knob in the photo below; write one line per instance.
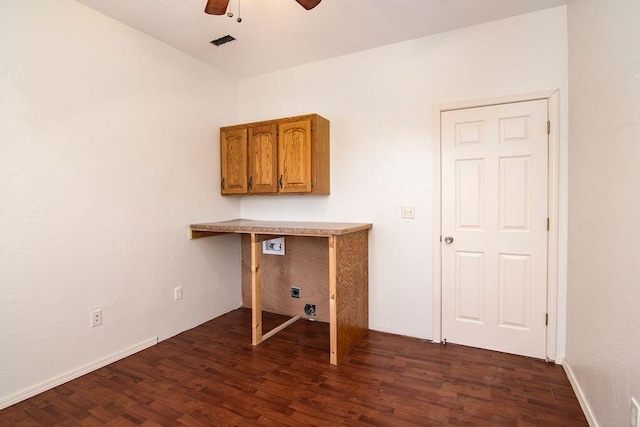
(448, 240)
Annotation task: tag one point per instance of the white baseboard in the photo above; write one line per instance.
(71, 375)
(559, 359)
(579, 394)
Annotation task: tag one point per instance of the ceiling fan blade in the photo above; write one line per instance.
(308, 4)
(216, 7)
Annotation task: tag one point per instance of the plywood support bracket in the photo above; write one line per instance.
(256, 292)
(281, 327)
(198, 234)
(263, 237)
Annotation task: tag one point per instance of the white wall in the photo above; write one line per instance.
(380, 105)
(603, 329)
(108, 150)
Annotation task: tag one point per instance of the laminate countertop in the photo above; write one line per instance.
(283, 228)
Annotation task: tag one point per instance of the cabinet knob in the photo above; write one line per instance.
(223, 184)
(250, 184)
(280, 181)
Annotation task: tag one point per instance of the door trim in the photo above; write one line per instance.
(553, 194)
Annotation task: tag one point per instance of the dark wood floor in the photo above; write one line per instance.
(212, 376)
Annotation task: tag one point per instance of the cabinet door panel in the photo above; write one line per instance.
(233, 159)
(263, 162)
(294, 157)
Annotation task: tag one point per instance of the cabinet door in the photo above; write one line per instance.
(263, 161)
(233, 160)
(294, 157)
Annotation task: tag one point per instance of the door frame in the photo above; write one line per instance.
(553, 115)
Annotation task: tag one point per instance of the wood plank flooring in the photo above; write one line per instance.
(212, 376)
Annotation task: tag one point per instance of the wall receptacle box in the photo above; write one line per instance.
(295, 292)
(310, 309)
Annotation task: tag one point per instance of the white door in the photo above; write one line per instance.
(494, 227)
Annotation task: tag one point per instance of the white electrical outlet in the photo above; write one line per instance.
(408, 212)
(177, 293)
(96, 318)
(273, 246)
(635, 413)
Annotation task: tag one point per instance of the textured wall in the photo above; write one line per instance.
(108, 150)
(380, 105)
(603, 329)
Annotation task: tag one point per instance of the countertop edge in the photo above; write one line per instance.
(293, 228)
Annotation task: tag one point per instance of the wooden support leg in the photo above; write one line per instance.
(349, 292)
(333, 307)
(256, 290)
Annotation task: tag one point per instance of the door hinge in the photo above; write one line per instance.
(548, 127)
(548, 224)
(546, 319)
(441, 238)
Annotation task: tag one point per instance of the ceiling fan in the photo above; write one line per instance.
(219, 7)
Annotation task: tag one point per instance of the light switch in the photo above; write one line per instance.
(408, 212)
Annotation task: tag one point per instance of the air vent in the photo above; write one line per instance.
(223, 40)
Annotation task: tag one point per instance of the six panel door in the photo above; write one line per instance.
(494, 227)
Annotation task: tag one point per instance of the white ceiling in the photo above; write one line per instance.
(279, 34)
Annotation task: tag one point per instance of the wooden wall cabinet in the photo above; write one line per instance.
(289, 155)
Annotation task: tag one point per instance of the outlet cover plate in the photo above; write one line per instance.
(273, 246)
(96, 318)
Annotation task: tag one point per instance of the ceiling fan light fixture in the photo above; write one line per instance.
(216, 7)
(308, 4)
(219, 7)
